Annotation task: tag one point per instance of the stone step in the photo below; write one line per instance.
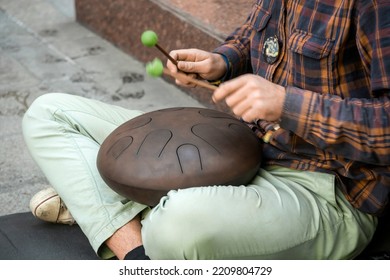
(179, 24)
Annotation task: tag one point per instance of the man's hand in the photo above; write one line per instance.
(252, 97)
(195, 62)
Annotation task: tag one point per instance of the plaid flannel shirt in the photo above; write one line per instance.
(334, 60)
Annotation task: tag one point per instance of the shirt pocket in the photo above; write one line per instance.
(259, 18)
(311, 63)
(261, 26)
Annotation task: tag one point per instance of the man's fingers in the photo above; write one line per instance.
(244, 110)
(199, 67)
(227, 88)
(186, 83)
(186, 54)
(172, 67)
(235, 97)
(185, 66)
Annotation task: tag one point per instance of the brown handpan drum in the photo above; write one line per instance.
(178, 148)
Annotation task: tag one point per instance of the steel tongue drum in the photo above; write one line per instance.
(177, 148)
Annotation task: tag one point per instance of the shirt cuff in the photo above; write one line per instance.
(227, 73)
(297, 111)
(234, 58)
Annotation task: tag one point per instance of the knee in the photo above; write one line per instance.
(42, 107)
(178, 229)
(39, 112)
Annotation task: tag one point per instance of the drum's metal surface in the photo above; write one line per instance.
(178, 148)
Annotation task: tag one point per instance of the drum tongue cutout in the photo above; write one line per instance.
(178, 148)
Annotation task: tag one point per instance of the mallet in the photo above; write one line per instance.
(156, 69)
(149, 39)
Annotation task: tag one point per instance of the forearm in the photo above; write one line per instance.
(357, 129)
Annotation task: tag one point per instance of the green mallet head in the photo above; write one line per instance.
(155, 68)
(149, 38)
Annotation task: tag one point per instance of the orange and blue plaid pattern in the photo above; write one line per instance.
(334, 60)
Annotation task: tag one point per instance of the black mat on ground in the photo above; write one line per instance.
(23, 237)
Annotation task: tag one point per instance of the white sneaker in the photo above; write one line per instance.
(48, 206)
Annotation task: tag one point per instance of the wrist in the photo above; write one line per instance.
(222, 69)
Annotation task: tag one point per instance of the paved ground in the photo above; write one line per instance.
(43, 49)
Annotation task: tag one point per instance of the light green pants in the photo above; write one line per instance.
(281, 214)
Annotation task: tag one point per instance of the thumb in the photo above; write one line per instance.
(187, 66)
